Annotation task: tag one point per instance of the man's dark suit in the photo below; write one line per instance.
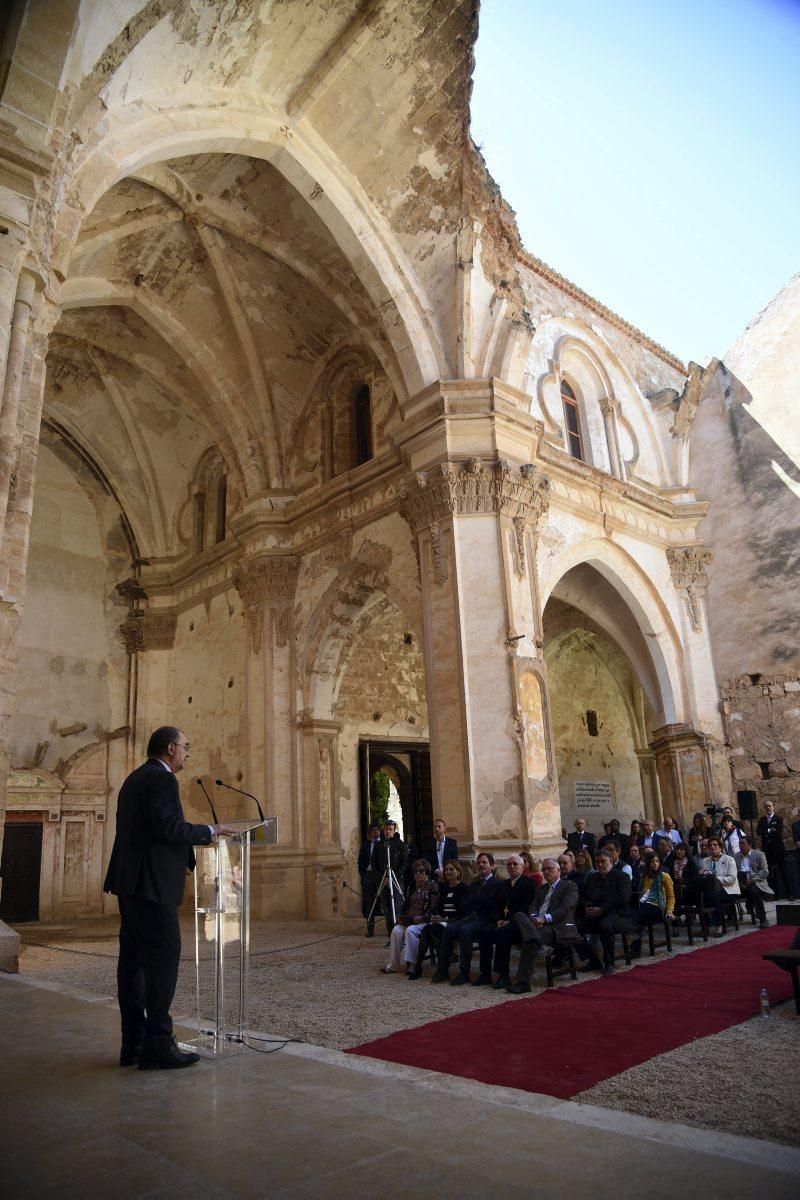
(432, 857)
(770, 830)
(610, 893)
(582, 841)
(559, 931)
(147, 873)
(512, 898)
(479, 910)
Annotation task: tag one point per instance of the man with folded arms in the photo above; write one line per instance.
(718, 878)
(608, 898)
(549, 922)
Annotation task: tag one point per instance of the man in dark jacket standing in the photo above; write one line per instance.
(770, 830)
(147, 872)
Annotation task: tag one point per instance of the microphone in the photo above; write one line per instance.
(249, 795)
(210, 804)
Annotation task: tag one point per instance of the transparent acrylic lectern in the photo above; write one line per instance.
(222, 937)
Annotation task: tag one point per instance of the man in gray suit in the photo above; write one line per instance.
(753, 872)
(550, 922)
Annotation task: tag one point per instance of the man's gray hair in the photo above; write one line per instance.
(550, 859)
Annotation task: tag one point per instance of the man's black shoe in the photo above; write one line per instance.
(165, 1056)
(482, 981)
(459, 979)
(370, 933)
(440, 976)
(129, 1054)
(591, 965)
(517, 989)
(609, 969)
(501, 982)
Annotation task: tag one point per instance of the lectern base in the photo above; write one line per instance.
(208, 1045)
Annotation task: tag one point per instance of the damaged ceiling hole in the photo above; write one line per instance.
(591, 722)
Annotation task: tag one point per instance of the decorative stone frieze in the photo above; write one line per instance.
(265, 581)
(142, 631)
(688, 567)
(473, 487)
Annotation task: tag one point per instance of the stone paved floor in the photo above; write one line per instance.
(311, 1122)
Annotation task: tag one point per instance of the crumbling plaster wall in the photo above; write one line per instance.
(745, 459)
(580, 680)
(73, 669)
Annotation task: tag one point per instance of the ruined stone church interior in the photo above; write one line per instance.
(303, 451)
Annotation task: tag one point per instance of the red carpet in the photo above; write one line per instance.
(568, 1039)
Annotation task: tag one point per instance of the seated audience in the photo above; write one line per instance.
(636, 863)
(581, 839)
(515, 894)
(701, 828)
(731, 835)
(657, 900)
(648, 837)
(666, 852)
(451, 893)
(478, 910)
(753, 872)
(607, 898)
(700, 852)
(614, 835)
(421, 905)
(566, 863)
(684, 873)
(718, 878)
(619, 865)
(531, 868)
(549, 923)
(669, 830)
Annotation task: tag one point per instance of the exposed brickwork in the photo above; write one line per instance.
(761, 714)
(385, 674)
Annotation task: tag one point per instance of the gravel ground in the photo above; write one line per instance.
(309, 980)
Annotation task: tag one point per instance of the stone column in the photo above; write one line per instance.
(648, 776)
(493, 769)
(608, 408)
(19, 351)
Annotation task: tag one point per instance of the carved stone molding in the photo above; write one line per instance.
(519, 547)
(142, 631)
(688, 567)
(265, 579)
(262, 581)
(474, 487)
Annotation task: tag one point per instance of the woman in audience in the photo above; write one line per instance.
(422, 904)
(451, 893)
(635, 834)
(701, 828)
(684, 876)
(584, 867)
(656, 900)
(531, 868)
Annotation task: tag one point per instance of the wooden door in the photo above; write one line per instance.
(21, 869)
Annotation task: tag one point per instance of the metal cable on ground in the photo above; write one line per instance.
(253, 953)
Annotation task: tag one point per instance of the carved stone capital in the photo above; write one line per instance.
(474, 487)
(264, 579)
(688, 565)
(143, 631)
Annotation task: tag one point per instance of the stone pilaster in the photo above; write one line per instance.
(474, 523)
(688, 566)
(266, 585)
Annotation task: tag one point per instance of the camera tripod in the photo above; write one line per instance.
(388, 879)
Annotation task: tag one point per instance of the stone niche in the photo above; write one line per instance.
(761, 716)
(72, 812)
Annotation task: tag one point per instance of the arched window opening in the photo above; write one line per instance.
(199, 521)
(361, 427)
(572, 422)
(222, 496)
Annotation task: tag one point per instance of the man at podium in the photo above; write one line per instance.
(147, 872)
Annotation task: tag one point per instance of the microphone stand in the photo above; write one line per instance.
(210, 802)
(249, 795)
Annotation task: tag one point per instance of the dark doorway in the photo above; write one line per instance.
(20, 870)
(408, 768)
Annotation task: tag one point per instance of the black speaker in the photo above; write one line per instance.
(748, 805)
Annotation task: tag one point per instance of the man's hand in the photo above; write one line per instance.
(539, 922)
(224, 831)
